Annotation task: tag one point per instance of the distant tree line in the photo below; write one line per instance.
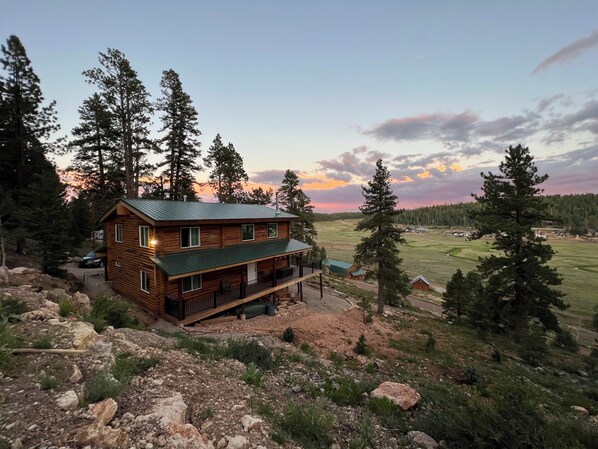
(577, 213)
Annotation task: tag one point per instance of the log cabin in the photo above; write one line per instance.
(187, 261)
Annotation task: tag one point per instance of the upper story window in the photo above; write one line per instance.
(145, 281)
(144, 236)
(190, 237)
(118, 233)
(191, 283)
(247, 232)
(272, 230)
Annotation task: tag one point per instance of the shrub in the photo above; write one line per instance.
(361, 347)
(7, 343)
(126, 366)
(44, 342)
(566, 341)
(472, 376)
(109, 311)
(65, 307)
(47, 382)
(4, 443)
(288, 335)
(533, 348)
(305, 347)
(203, 346)
(496, 355)
(11, 307)
(252, 375)
(308, 425)
(249, 352)
(346, 392)
(387, 411)
(102, 386)
(430, 343)
(366, 434)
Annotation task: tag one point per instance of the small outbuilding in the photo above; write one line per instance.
(345, 269)
(420, 283)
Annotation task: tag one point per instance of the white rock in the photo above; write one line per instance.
(401, 394)
(84, 335)
(76, 376)
(81, 301)
(104, 411)
(251, 423)
(578, 410)
(421, 440)
(171, 410)
(23, 270)
(237, 442)
(52, 306)
(68, 400)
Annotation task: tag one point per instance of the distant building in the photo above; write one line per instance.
(345, 269)
(420, 283)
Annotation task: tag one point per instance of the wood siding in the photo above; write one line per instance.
(132, 258)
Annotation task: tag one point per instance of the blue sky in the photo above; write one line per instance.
(438, 90)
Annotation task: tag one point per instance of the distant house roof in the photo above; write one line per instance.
(162, 210)
(338, 266)
(191, 262)
(419, 278)
(359, 272)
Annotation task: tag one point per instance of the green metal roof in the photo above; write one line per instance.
(360, 272)
(208, 259)
(161, 210)
(337, 266)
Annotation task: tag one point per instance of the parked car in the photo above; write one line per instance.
(91, 260)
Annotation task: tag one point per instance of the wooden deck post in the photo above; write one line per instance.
(273, 272)
(300, 265)
(301, 291)
(321, 288)
(181, 304)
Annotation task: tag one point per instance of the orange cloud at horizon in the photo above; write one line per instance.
(325, 182)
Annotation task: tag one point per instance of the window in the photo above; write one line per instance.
(118, 233)
(144, 236)
(247, 232)
(191, 283)
(189, 237)
(272, 230)
(145, 281)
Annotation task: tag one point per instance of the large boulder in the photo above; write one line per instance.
(237, 442)
(251, 423)
(81, 301)
(3, 275)
(19, 271)
(171, 410)
(185, 436)
(84, 335)
(39, 315)
(103, 411)
(68, 400)
(401, 394)
(579, 410)
(57, 294)
(421, 440)
(96, 435)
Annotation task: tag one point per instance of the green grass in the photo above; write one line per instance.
(576, 261)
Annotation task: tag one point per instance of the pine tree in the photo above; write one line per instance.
(379, 251)
(180, 145)
(129, 103)
(97, 160)
(294, 201)
(227, 176)
(517, 281)
(258, 196)
(24, 123)
(458, 295)
(81, 219)
(45, 217)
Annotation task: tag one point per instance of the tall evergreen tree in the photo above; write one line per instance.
(180, 144)
(45, 217)
(97, 160)
(379, 251)
(227, 175)
(25, 126)
(294, 201)
(129, 102)
(461, 291)
(518, 280)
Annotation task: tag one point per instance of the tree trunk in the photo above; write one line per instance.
(380, 294)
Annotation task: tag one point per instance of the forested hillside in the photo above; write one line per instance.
(577, 213)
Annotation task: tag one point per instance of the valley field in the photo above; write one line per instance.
(437, 256)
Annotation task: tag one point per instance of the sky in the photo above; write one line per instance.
(437, 90)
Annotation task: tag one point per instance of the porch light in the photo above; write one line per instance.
(153, 242)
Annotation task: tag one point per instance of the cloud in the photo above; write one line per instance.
(268, 177)
(583, 120)
(457, 127)
(569, 52)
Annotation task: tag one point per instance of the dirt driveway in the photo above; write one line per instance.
(91, 278)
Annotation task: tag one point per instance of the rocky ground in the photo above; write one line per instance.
(182, 400)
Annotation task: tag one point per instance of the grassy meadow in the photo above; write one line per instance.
(437, 256)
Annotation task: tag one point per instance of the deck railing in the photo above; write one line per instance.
(184, 308)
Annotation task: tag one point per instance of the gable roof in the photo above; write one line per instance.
(191, 262)
(419, 278)
(162, 210)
